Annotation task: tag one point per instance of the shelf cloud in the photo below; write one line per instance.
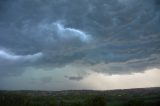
(106, 36)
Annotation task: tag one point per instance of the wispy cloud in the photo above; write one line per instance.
(11, 56)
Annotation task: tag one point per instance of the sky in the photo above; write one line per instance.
(79, 44)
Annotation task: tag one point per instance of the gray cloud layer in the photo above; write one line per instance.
(121, 35)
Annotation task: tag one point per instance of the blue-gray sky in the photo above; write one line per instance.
(77, 44)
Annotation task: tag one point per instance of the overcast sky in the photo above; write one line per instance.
(79, 44)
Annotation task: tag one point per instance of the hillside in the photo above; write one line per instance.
(122, 97)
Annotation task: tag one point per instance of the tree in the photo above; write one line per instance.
(96, 101)
(136, 102)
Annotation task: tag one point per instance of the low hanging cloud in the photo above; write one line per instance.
(11, 64)
(109, 36)
(76, 78)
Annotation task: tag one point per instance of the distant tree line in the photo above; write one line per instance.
(93, 100)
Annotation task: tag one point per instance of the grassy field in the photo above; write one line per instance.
(127, 97)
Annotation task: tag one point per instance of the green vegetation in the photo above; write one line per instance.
(81, 98)
(136, 102)
(96, 101)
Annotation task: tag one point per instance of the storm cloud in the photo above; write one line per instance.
(76, 78)
(109, 36)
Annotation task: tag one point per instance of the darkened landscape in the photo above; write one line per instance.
(126, 97)
(79, 52)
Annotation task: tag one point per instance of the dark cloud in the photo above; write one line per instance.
(87, 32)
(11, 64)
(76, 78)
